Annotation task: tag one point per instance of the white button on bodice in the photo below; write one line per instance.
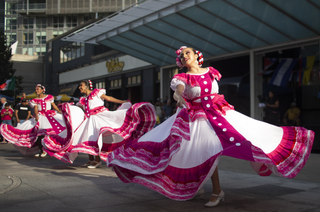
(206, 90)
(206, 98)
(202, 77)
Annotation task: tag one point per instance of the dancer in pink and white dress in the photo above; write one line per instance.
(177, 157)
(101, 130)
(27, 136)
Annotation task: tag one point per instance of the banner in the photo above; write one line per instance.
(282, 73)
(307, 65)
(8, 85)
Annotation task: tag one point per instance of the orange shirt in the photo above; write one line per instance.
(293, 113)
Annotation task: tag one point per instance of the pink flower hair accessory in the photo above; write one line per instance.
(200, 58)
(41, 86)
(90, 85)
(178, 61)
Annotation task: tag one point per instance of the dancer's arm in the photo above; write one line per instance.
(36, 116)
(55, 107)
(112, 99)
(178, 96)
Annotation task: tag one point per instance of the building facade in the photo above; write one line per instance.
(123, 76)
(33, 22)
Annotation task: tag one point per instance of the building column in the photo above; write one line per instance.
(255, 86)
(161, 83)
(27, 7)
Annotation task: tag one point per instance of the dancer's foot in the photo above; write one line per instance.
(87, 164)
(215, 199)
(95, 164)
(43, 154)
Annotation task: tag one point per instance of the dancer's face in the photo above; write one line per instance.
(82, 87)
(39, 90)
(188, 57)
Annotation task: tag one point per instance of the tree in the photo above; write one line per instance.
(6, 66)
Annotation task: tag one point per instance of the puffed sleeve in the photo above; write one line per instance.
(32, 103)
(175, 82)
(101, 92)
(81, 102)
(49, 99)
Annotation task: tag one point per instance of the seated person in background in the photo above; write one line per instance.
(292, 116)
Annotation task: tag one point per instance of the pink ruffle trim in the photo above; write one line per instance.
(48, 98)
(193, 81)
(289, 157)
(155, 155)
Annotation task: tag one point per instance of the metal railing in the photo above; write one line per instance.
(32, 6)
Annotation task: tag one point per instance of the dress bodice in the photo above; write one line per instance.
(43, 104)
(195, 85)
(92, 101)
(194, 92)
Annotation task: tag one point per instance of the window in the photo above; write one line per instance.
(28, 22)
(41, 22)
(88, 17)
(28, 51)
(115, 83)
(11, 38)
(134, 80)
(58, 21)
(71, 51)
(11, 23)
(72, 21)
(41, 37)
(28, 38)
(10, 8)
(173, 72)
(100, 85)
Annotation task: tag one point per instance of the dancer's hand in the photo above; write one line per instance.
(181, 102)
(36, 118)
(178, 96)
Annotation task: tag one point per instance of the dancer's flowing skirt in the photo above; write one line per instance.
(102, 132)
(24, 136)
(177, 157)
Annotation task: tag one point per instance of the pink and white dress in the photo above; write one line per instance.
(177, 157)
(101, 131)
(25, 135)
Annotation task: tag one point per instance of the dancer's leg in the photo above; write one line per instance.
(216, 189)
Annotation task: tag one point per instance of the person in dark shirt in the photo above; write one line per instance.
(167, 109)
(272, 105)
(22, 111)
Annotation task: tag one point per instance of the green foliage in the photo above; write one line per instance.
(6, 66)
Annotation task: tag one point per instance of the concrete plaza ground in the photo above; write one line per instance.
(46, 184)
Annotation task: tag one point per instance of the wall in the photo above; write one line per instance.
(31, 68)
(99, 70)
